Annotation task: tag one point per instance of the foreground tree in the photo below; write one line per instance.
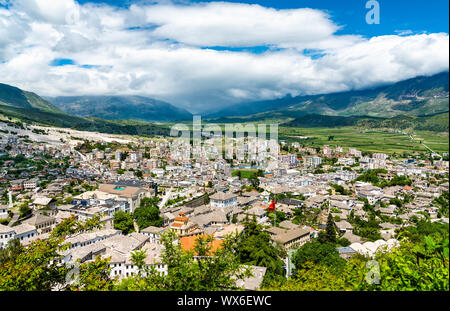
(199, 270)
(254, 247)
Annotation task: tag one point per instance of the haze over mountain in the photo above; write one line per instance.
(417, 96)
(120, 108)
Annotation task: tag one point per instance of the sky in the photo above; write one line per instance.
(205, 55)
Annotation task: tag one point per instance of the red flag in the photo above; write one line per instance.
(271, 206)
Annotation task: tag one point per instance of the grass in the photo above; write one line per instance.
(245, 173)
(369, 140)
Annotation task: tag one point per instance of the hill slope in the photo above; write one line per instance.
(121, 108)
(29, 107)
(15, 97)
(414, 97)
(435, 123)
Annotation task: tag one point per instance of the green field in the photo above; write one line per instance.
(366, 140)
(245, 173)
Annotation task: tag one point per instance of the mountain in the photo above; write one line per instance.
(436, 123)
(15, 97)
(29, 107)
(121, 108)
(423, 95)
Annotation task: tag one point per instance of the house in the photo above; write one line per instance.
(344, 226)
(293, 238)
(257, 211)
(188, 243)
(221, 199)
(6, 234)
(346, 252)
(17, 185)
(154, 233)
(24, 231)
(31, 184)
(4, 211)
(45, 203)
(42, 223)
(181, 224)
(132, 195)
(118, 249)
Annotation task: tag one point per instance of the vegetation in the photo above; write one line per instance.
(147, 214)
(215, 270)
(254, 247)
(420, 263)
(37, 267)
(123, 221)
(71, 225)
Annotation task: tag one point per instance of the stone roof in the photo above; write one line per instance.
(222, 196)
(289, 235)
(153, 229)
(253, 282)
(42, 201)
(39, 219)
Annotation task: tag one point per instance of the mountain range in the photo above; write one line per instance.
(31, 108)
(120, 108)
(423, 95)
(419, 103)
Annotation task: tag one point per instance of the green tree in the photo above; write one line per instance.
(318, 253)
(123, 221)
(198, 270)
(254, 247)
(148, 214)
(330, 231)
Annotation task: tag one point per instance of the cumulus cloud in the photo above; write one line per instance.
(164, 51)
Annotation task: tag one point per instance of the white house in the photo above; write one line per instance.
(223, 200)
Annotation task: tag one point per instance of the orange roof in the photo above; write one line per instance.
(408, 188)
(188, 243)
(181, 218)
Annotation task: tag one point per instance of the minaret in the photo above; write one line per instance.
(10, 199)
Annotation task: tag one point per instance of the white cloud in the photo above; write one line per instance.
(169, 62)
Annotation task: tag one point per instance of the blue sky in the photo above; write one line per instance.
(204, 55)
(415, 15)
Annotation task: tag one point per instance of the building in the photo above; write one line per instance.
(31, 184)
(312, 161)
(181, 225)
(223, 200)
(132, 195)
(45, 203)
(4, 211)
(293, 238)
(154, 233)
(41, 223)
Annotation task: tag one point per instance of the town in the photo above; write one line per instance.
(137, 189)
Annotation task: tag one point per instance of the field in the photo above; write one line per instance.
(367, 140)
(245, 173)
(373, 140)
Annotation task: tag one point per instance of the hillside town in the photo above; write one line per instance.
(49, 175)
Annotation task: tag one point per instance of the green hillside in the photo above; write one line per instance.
(30, 108)
(413, 97)
(121, 108)
(435, 123)
(15, 97)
